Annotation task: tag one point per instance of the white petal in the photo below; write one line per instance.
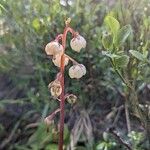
(76, 71)
(78, 43)
(83, 41)
(57, 60)
(71, 72)
(83, 69)
(53, 48)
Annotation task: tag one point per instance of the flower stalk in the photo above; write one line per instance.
(60, 59)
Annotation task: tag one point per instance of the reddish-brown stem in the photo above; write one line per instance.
(51, 116)
(74, 62)
(59, 37)
(62, 96)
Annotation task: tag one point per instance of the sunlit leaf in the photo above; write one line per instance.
(107, 41)
(109, 54)
(36, 24)
(122, 61)
(112, 23)
(100, 146)
(122, 35)
(138, 55)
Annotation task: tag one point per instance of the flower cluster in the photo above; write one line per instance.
(56, 49)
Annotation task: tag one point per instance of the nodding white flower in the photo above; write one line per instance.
(71, 98)
(57, 60)
(78, 43)
(53, 48)
(55, 88)
(77, 71)
(48, 121)
(83, 69)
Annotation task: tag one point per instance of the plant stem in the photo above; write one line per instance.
(62, 103)
(120, 75)
(74, 62)
(62, 96)
(127, 116)
(119, 138)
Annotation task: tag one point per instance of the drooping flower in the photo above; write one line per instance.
(54, 48)
(77, 43)
(77, 71)
(55, 88)
(71, 98)
(57, 60)
(83, 69)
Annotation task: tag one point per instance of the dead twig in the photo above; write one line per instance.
(119, 138)
(127, 117)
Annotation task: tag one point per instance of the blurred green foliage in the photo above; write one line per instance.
(26, 26)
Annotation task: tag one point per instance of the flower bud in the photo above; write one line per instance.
(55, 88)
(71, 99)
(57, 60)
(78, 43)
(77, 71)
(53, 48)
(48, 121)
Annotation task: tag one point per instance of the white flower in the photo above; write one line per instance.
(83, 69)
(57, 60)
(78, 43)
(55, 88)
(77, 71)
(53, 48)
(71, 99)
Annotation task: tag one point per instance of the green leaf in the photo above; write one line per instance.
(109, 54)
(51, 147)
(113, 24)
(100, 146)
(122, 35)
(40, 136)
(121, 61)
(36, 24)
(2, 8)
(66, 134)
(138, 55)
(107, 41)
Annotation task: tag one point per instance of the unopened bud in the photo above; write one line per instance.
(48, 121)
(71, 99)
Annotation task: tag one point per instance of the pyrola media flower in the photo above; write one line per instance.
(57, 60)
(77, 43)
(48, 121)
(53, 48)
(71, 98)
(77, 71)
(55, 88)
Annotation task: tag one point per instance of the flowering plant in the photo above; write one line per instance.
(56, 49)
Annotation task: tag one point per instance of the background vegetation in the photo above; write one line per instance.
(106, 115)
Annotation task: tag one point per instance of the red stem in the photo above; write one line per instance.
(62, 96)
